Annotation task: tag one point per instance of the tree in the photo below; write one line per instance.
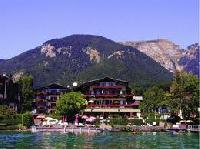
(185, 94)
(70, 103)
(26, 93)
(27, 119)
(154, 97)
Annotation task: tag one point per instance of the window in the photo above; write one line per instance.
(98, 92)
(107, 83)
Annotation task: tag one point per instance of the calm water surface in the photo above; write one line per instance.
(162, 140)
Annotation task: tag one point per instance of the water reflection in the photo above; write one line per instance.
(99, 141)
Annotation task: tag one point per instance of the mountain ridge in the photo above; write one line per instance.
(168, 54)
(82, 58)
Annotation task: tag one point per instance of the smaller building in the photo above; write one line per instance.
(46, 97)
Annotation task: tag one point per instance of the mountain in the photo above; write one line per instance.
(85, 57)
(170, 55)
(190, 59)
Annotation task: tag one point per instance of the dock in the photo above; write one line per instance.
(67, 130)
(193, 128)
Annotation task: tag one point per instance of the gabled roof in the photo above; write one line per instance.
(53, 86)
(107, 78)
(56, 86)
(88, 83)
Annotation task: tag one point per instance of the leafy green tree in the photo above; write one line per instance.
(26, 93)
(70, 104)
(27, 119)
(153, 98)
(185, 94)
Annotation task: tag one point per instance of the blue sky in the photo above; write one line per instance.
(25, 24)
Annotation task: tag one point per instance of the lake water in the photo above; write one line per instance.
(108, 140)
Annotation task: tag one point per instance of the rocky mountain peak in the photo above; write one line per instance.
(168, 54)
(190, 59)
(48, 50)
(93, 54)
(162, 51)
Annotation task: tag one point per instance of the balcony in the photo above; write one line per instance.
(108, 95)
(40, 93)
(112, 110)
(102, 95)
(43, 93)
(111, 87)
(133, 105)
(41, 104)
(40, 107)
(52, 100)
(40, 100)
(53, 93)
(51, 107)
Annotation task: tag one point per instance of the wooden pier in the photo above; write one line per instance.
(66, 130)
(193, 128)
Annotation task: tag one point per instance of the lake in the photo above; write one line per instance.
(105, 140)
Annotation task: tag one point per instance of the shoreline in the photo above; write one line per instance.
(118, 128)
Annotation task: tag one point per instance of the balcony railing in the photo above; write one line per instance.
(112, 106)
(42, 93)
(51, 100)
(108, 95)
(114, 87)
(41, 104)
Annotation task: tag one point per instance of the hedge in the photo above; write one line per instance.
(13, 121)
(27, 120)
(136, 121)
(150, 121)
(118, 121)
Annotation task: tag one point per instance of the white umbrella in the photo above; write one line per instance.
(92, 117)
(84, 117)
(89, 120)
(91, 101)
(48, 118)
(183, 121)
(40, 117)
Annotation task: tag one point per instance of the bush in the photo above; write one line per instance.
(136, 121)
(151, 118)
(150, 121)
(11, 122)
(11, 127)
(118, 121)
(97, 123)
(10, 119)
(27, 120)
